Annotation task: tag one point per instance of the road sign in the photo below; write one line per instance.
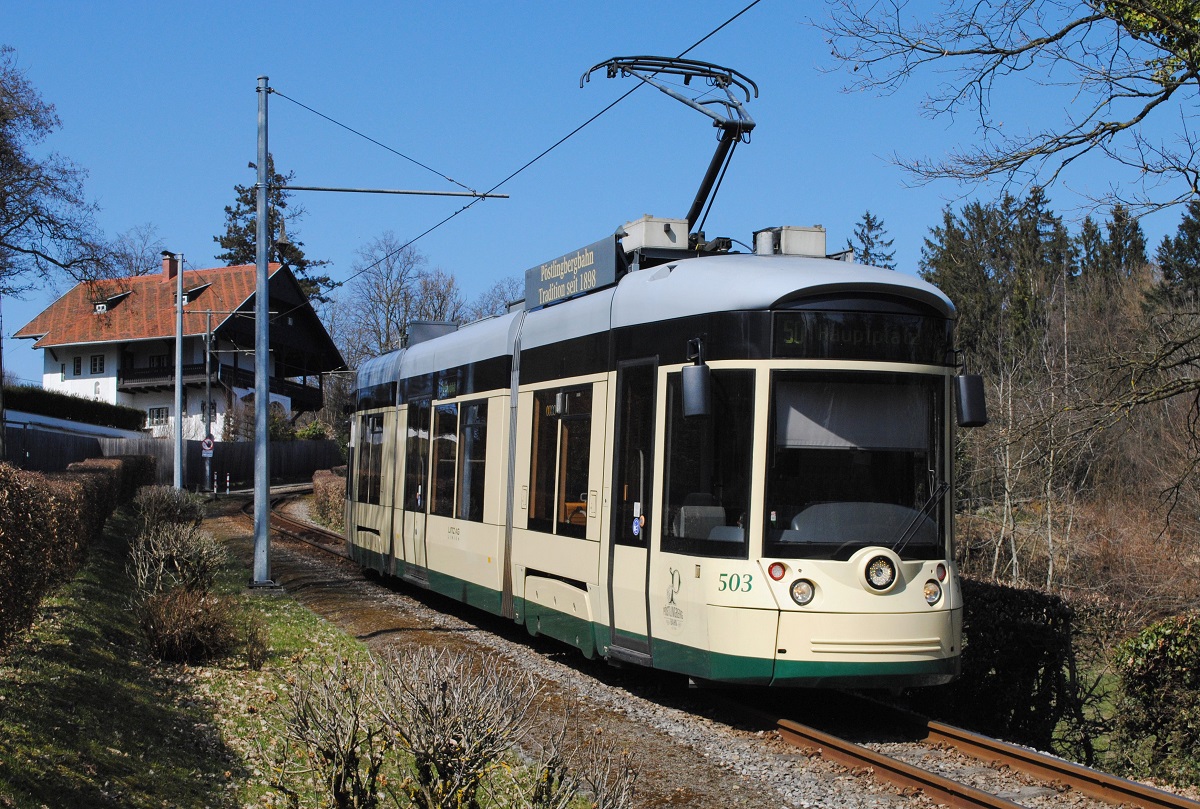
(206, 447)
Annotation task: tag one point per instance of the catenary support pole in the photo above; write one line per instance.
(262, 360)
(178, 371)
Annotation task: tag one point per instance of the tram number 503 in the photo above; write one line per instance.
(735, 582)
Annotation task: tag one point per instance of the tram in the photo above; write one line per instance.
(735, 466)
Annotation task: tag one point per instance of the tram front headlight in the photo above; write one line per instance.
(933, 592)
(881, 573)
(803, 591)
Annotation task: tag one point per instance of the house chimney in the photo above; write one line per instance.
(170, 267)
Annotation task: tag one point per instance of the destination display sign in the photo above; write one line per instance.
(584, 270)
(888, 337)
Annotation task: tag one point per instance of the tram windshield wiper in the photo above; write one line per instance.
(923, 512)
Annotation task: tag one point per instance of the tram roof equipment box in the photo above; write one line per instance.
(791, 240)
(654, 231)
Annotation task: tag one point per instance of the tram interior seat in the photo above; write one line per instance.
(869, 522)
(699, 516)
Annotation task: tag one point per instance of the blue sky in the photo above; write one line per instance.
(158, 103)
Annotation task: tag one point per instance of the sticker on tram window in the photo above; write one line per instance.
(735, 582)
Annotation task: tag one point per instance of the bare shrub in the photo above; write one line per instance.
(255, 641)
(434, 730)
(186, 626)
(329, 498)
(164, 504)
(333, 735)
(562, 773)
(458, 718)
(174, 554)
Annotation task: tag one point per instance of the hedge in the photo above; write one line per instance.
(46, 524)
(74, 408)
(329, 497)
(1016, 661)
(1158, 721)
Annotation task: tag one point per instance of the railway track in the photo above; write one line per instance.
(1059, 774)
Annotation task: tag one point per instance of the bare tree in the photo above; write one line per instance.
(137, 251)
(46, 223)
(1124, 62)
(496, 298)
(439, 297)
(381, 300)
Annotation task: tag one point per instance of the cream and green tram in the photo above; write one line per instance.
(735, 466)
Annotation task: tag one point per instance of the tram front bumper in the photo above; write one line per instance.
(868, 650)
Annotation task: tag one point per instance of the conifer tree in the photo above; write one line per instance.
(1178, 258)
(870, 243)
(241, 222)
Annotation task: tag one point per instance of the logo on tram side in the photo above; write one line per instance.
(671, 611)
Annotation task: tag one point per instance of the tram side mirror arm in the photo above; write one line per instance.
(972, 405)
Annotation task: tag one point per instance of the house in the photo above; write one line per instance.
(115, 339)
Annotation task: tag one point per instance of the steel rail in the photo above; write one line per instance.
(307, 532)
(1093, 783)
(885, 768)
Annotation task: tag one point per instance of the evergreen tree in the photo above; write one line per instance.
(1089, 246)
(965, 258)
(870, 243)
(241, 222)
(1178, 258)
(1124, 253)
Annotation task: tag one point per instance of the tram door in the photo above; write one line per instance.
(633, 485)
(416, 487)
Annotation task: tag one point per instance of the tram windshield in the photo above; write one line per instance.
(855, 460)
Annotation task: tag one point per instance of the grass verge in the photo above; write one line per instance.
(88, 718)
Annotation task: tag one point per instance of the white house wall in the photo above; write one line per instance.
(59, 374)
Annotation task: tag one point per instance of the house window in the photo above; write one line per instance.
(156, 417)
(97, 363)
(159, 360)
(78, 366)
(62, 375)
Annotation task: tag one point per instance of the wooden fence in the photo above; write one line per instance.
(291, 461)
(28, 447)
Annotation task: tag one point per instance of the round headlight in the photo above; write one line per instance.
(777, 571)
(803, 591)
(933, 592)
(881, 573)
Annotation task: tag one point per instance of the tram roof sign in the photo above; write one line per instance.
(576, 273)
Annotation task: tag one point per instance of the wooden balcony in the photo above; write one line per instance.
(147, 380)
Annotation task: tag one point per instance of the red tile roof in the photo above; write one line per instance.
(146, 312)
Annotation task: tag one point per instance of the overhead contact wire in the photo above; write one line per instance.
(531, 162)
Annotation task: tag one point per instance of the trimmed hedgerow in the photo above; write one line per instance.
(1158, 718)
(74, 408)
(1016, 664)
(329, 497)
(46, 524)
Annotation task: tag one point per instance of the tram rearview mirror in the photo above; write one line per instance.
(972, 406)
(696, 390)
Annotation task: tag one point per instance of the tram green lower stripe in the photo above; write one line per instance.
(590, 637)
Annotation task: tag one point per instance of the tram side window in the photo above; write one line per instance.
(416, 455)
(445, 445)
(562, 438)
(370, 458)
(708, 469)
(472, 449)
